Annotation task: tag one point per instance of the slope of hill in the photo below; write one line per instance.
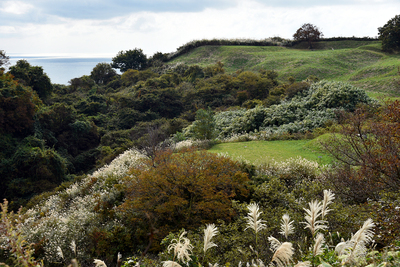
(362, 63)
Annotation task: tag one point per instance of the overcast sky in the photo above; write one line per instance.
(104, 27)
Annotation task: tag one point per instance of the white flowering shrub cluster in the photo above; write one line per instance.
(298, 167)
(70, 215)
(309, 110)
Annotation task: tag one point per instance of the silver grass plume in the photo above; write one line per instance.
(170, 264)
(253, 220)
(60, 253)
(210, 231)
(328, 199)
(213, 265)
(312, 215)
(283, 255)
(318, 243)
(73, 247)
(181, 247)
(356, 246)
(275, 244)
(303, 264)
(286, 226)
(99, 263)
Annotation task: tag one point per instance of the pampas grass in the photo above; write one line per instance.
(99, 263)
(318, 243)
(283, 254)
(286, 226)
(312, 216)
(253, 221)
(181, 248)
(210, 231)
(328, 199)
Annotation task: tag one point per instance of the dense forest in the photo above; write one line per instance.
(114, 164)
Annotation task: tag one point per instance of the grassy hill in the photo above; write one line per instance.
(362, 63)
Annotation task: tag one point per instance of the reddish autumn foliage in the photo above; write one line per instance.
(183, 190)
(369, 149)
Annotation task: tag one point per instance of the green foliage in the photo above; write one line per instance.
(203, 128)
(311, 109)
(32, 76)
(389, 34)
(103, 73)
(308, 32)
(131, 59)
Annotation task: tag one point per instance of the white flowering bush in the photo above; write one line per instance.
(303, 113)
(74, 213)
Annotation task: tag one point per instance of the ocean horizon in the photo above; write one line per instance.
(61, 69)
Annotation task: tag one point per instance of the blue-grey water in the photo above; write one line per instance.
(62, 69)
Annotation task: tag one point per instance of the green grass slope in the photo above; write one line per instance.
(258, 152)
(362, 63)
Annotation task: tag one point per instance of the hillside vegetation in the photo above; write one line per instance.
(115, 164)
(362, 63)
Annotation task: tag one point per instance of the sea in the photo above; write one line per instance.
(62, 69)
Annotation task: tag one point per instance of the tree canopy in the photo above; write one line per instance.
(131, 59)
(32, 76)
(308, 32)
(389, 34)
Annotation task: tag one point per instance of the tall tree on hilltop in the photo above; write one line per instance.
(130, 59)
(308, 32)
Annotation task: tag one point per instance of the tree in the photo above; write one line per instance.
(103, 73)
(183, 190)
(32, 76)
(368, 148)
(389, 34)
(4, 60)
(309, 33)
(130, 59)
(204, 126)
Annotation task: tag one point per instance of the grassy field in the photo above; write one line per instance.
(261, 151)
(361, 63)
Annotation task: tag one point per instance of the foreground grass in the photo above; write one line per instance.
(258, 152)
(362, 63)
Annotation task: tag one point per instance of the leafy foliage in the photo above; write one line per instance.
(389, 34)
(186, 190)
(131, 59)
(32, 76)
(308, 32)
(103, 73)
(368, 148)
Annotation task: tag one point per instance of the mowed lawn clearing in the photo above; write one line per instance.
(258, 152)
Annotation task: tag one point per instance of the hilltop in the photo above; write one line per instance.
(359, 62)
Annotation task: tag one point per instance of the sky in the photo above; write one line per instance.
(103, 28)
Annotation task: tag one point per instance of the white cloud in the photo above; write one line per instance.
(15, 7)
(166, 31)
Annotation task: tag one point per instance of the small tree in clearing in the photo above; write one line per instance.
(309, 33)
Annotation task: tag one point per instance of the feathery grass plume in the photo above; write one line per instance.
(74, 263)
(209, 232)
(213, 265)
(311, 217)
(303, 264)
(60, 253)
(356, 246)
(99, 263)
(275, 244)
(329, 196)
(253, 220)
(341, 248)
(318, 243)
(170, 264)
(73, 247)
(119, 259)
(283, 254)
(286, 226)
(181, 247)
